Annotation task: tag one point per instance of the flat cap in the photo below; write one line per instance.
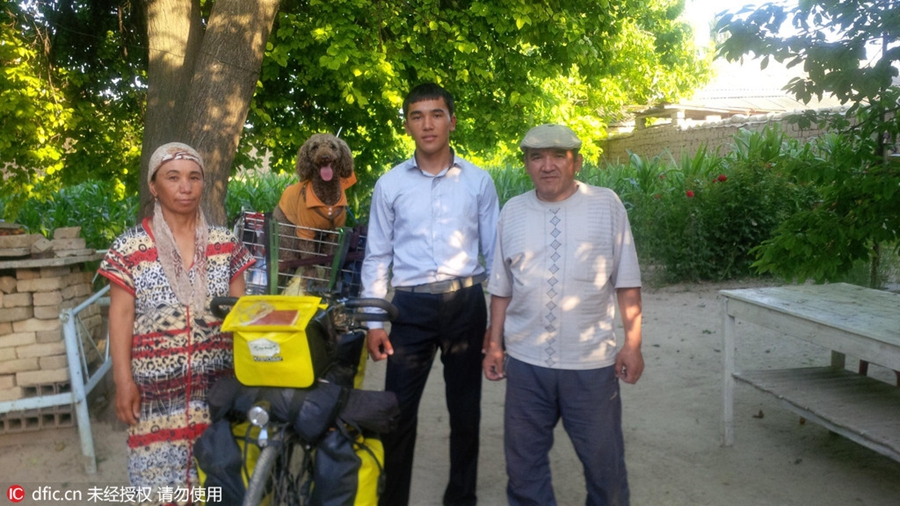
(550, 136)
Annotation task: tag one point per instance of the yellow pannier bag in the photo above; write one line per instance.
(371, 480)
(274, 343)
(347, 470)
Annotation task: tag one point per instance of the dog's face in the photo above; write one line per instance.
(325, 156)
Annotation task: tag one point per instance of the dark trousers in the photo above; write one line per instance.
(591, 410)
(453, 323)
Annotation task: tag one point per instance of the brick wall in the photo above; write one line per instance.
(654, 141)
(32, 349)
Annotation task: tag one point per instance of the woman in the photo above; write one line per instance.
(167, 348)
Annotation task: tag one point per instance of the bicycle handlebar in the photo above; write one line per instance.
(390, 310)
(218, 304)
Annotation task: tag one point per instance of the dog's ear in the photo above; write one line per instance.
(304, 165)
(345, 161)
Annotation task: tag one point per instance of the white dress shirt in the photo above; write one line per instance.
(425, 228)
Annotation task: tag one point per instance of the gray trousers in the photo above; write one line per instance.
(591, 410)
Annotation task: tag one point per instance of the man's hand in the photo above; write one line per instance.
(128, 402)
(378, 344)
(629, 364)
(630, 361)
(493, 362)
(494, 353)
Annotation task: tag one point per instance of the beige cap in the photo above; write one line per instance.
(550, 136)
(173, 151)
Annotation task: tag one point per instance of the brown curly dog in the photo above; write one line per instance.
(317, 202)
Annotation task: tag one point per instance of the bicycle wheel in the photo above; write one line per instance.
(276, 477)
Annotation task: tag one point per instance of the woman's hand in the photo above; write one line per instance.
(128, 402)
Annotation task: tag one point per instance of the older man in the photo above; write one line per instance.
(564, 257)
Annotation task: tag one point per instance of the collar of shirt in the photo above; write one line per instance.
(454, 162)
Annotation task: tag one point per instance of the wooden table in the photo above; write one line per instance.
(843, 318)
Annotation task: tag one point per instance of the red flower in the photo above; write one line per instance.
(722, 178)
(690, 194)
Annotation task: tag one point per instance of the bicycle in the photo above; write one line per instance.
(302, 415)
(326, 416)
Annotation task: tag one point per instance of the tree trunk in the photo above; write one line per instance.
(174, 33)
(208, 110)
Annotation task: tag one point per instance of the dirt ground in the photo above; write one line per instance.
(671, 424)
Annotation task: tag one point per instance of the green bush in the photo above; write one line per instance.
(96, 206)
(705, 220)
(857, 218)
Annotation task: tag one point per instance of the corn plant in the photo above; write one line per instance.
(255, 191)
(691, 170)
(510, 181)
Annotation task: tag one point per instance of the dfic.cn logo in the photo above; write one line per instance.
(15, 493)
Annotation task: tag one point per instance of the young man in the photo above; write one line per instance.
(431, 216)
(564, 256)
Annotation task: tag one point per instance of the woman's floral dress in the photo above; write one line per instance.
(177, 353)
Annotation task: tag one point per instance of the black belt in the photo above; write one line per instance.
(446, 286)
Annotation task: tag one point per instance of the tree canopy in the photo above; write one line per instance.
(72, 101)
(848, 48)
(104, 77)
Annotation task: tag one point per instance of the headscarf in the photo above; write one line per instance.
(173, 151)
(188, 294)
